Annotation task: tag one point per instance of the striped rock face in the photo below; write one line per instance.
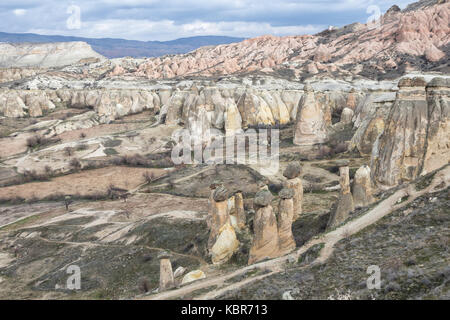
(416, 138)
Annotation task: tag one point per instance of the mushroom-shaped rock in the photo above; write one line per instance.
(166, 280)
(265, 239)
(286, 240)
(294, 182)
(218, 214)
(345, 201)
(220, 194)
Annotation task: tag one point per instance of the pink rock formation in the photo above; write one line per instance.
(423, 31)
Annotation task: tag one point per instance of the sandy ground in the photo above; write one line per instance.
(83, 183)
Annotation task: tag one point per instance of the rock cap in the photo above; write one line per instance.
(220, 194)
(164, 255)
(293, 170)
(263, 198)
(287, 193)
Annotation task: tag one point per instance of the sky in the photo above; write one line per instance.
(171, 19)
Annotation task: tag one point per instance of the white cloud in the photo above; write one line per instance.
(168, 30)
(171, 19)
(19, 12)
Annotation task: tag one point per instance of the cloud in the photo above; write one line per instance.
(170, 19)
(166, 29)
(19, 12)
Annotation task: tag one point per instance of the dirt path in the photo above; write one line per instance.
(329, 239)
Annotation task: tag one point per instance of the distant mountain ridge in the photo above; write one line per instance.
(117, 48)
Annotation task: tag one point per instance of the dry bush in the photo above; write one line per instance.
(39, 140)
(340, 148)
(138, 160)
(148, 176)
(143, 285)
(75, 164)
(82, 146)
(324, 152)
(68, 151)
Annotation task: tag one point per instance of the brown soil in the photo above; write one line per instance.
(83, 183)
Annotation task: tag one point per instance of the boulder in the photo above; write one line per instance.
(263, 198)
(225, 245)
(293, 170)
(347, 116)
(193, 276)
(179, 272)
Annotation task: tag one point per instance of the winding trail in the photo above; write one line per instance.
(329, 239)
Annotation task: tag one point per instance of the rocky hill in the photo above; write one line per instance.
(415, 39)
(117, 48)
(46, 55)
(88, 175)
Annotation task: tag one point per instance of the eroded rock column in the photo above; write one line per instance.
(398, 155)
(222, 242)
(362, 187)
(292, 174)
(166, 280)
(241, 219)
(345, 202)
(310, 127)
(286, 242)
(218, 212)
(265, 239)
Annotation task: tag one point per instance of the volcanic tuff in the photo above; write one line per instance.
(86, 169)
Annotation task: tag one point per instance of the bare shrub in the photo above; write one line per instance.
(82, 146)
(75, 164)
(148, 176)
(340, 148)
(39, 140)
(143, 285)
(324, 151)
(48, 170)
(68, 151)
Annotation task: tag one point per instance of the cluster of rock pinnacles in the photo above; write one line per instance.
(272, 233)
